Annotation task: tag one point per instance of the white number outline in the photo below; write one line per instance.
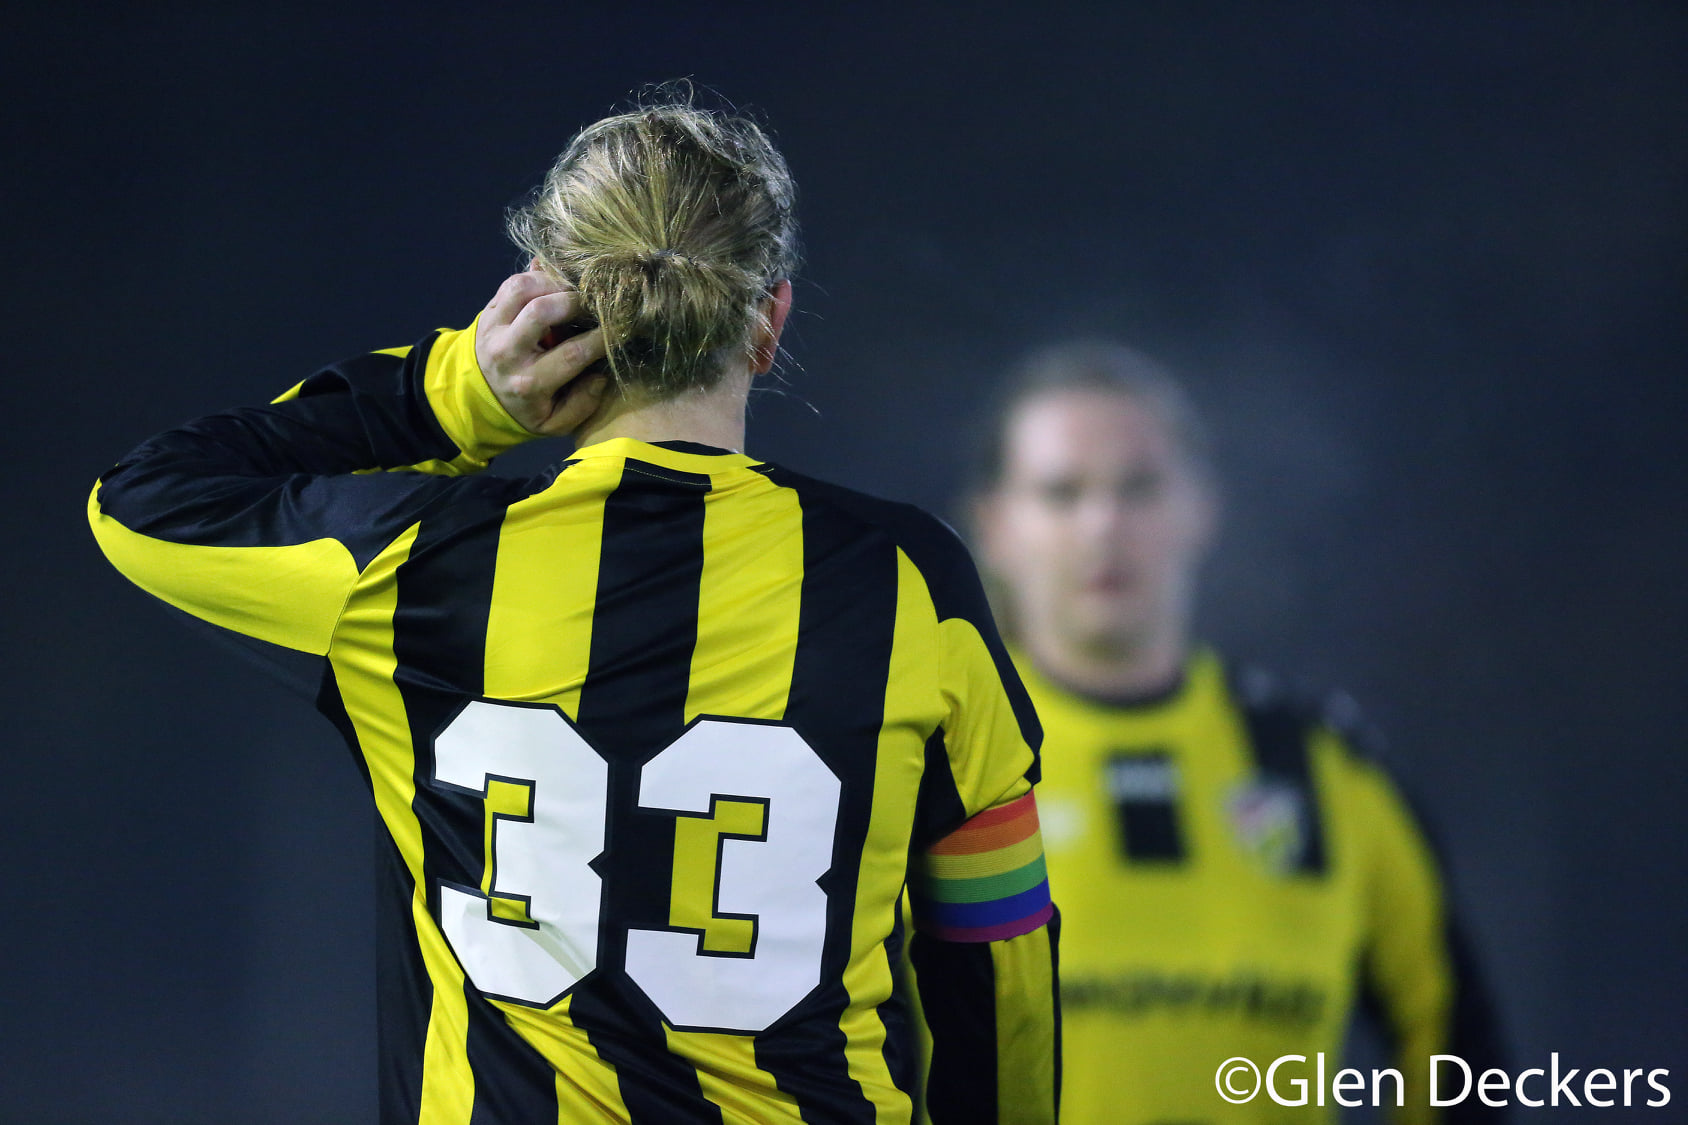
(562, 944)
(776, 879)
(691, 990)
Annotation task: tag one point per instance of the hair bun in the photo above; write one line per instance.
(673, 223)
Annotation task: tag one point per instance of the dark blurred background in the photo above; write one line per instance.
(1424, 266)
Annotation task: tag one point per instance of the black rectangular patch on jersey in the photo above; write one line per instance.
(1144, 786)
(1278, 736)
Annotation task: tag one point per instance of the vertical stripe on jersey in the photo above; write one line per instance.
(899, 1016)
(955, 980)
(585, 1085)
(882, 1052)
(539, 627)
(632, 705)
(741, 667)
(837, 702)
(514, 1084)
(363, 666)
(1028, 1078)
(721, 1059)
(403, 990)
(747, 630)
(539, 634)
(439, 642)
(1146, 789)
(1277, 734)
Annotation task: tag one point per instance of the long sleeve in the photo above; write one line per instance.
(984, 946)
(1418, 973)
(984, 957)
(260, 519)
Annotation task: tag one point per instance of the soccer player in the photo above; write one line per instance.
(1236, 872)
(658, 735)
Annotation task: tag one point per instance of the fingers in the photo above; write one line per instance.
(515, 294)
(541, 313)
(537, 378)
(577, 401)
(569, 358)
(545, 390)
(519, 349)
(561, 393)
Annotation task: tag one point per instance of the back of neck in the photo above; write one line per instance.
(711, 417)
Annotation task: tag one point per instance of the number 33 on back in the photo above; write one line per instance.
(756, 810)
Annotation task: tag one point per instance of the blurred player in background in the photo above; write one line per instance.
(653, 734)
(1236, 873)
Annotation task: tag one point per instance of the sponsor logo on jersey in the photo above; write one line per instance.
(1135, 993)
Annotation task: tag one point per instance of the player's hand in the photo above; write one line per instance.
(537, 377)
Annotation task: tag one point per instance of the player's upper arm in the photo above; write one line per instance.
(980, 853)
(991, 734)
(987, 880)
(288, 595)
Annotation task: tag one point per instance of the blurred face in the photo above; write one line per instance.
(1096, 527)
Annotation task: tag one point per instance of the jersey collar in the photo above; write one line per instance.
(681, 456)
(1199, 671)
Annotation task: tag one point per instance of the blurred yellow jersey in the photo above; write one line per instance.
(1232, 876)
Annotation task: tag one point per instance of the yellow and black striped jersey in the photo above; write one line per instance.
(1234, 876)
(656, 737)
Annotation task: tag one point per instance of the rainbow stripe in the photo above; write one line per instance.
(985, 881)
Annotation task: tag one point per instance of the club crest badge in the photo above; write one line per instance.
(1267, 819)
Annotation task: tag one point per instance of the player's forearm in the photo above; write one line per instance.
(1466, 1026)
(994, 1017)
(428, 409)
(259, 519)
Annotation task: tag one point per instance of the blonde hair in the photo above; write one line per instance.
(1091, 365)
(674, 223)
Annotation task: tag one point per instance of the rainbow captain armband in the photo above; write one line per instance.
(986, 881)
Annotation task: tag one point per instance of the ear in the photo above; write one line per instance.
(766, 342)
(1210, 509)
(984, 517)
